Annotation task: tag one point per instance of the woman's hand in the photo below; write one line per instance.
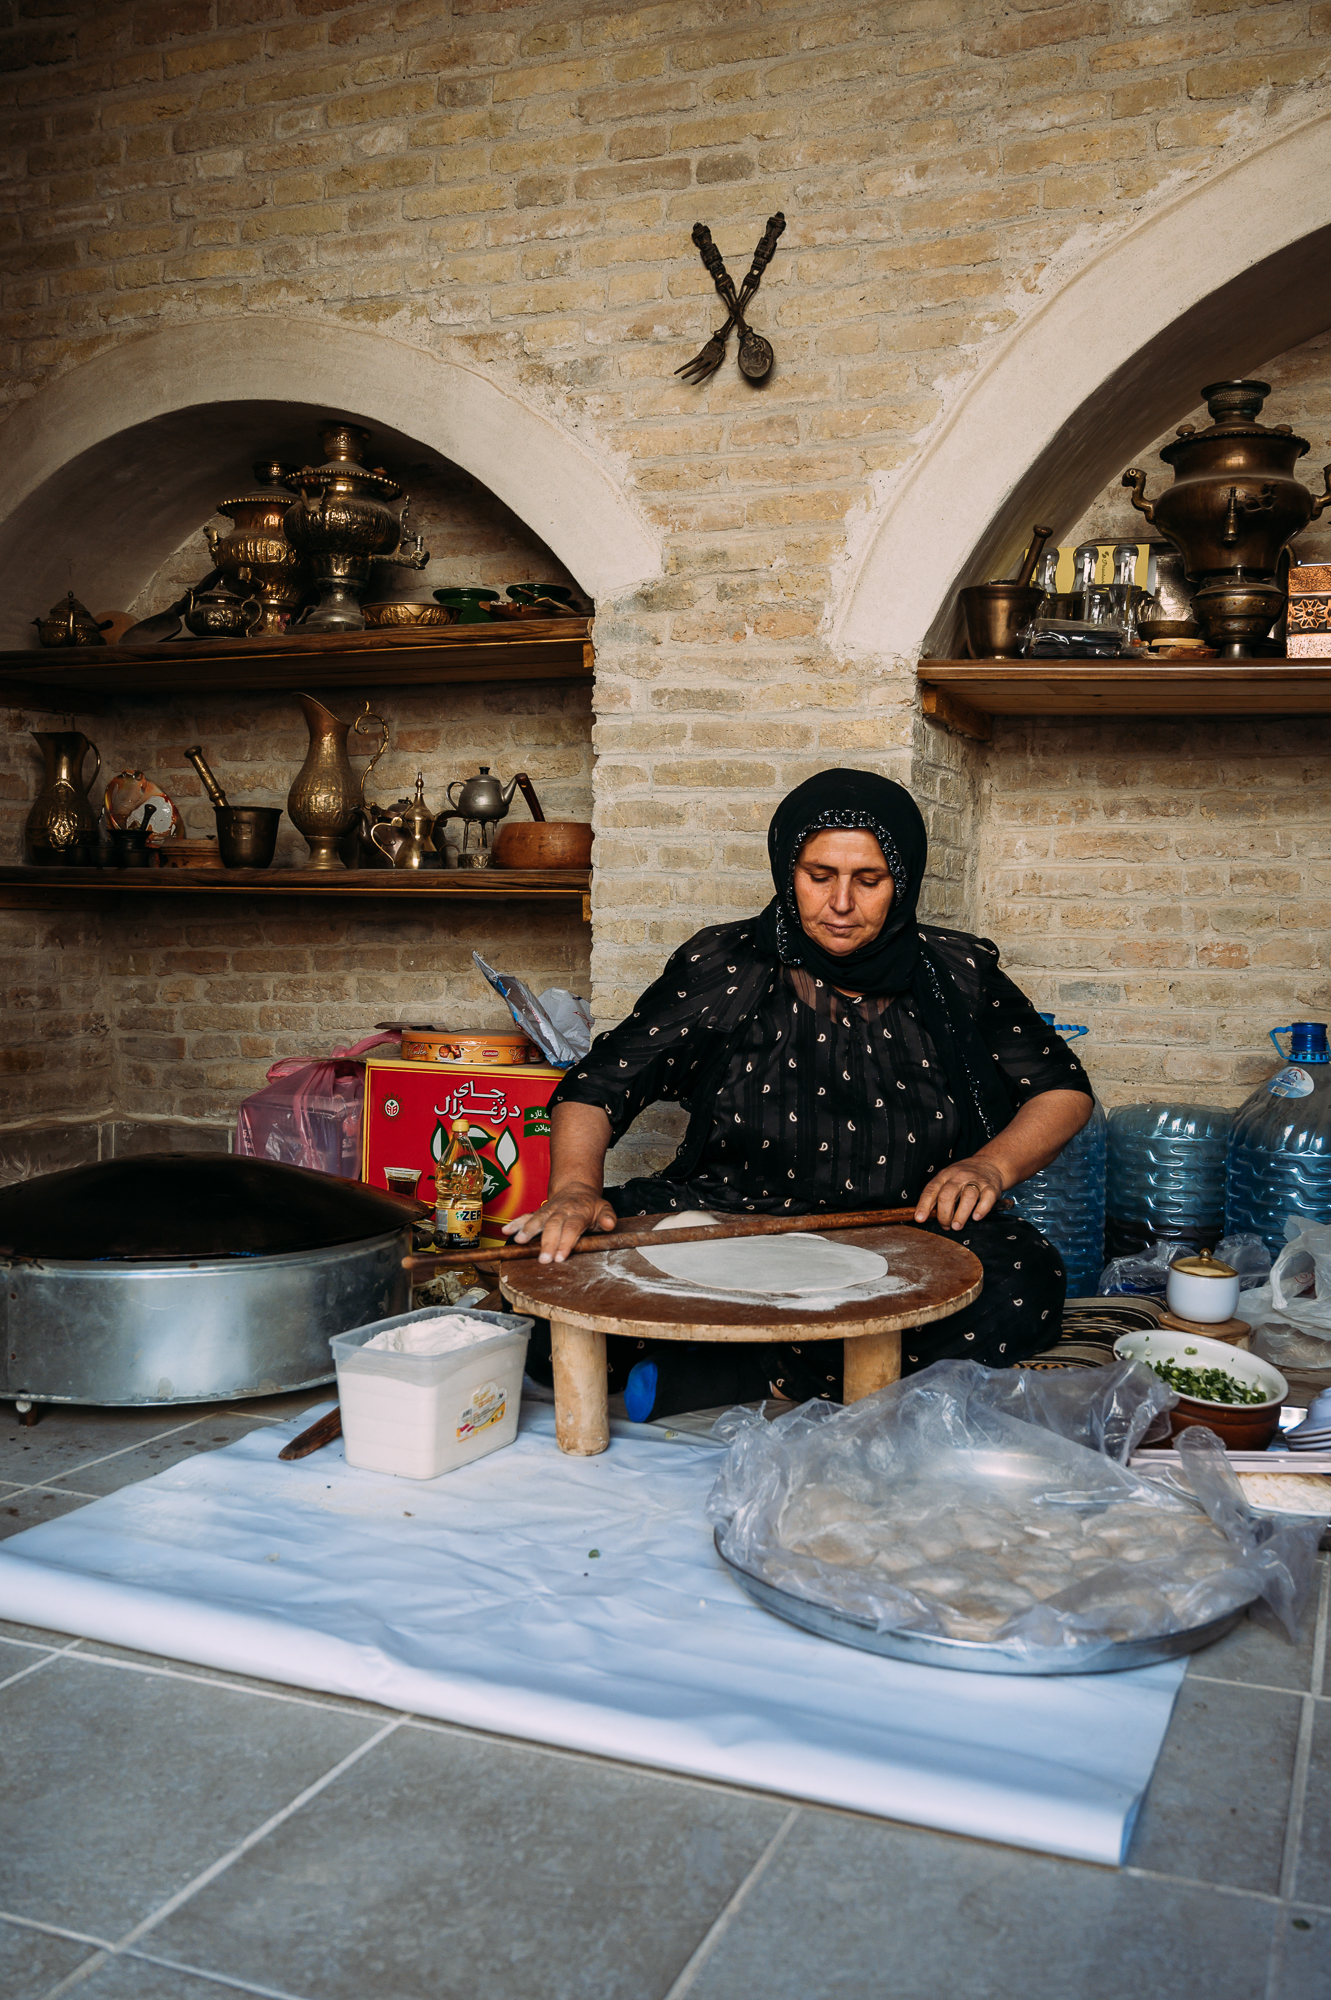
(964, 1192)
(579, 1137)
(967, 1190)
(562, 1218)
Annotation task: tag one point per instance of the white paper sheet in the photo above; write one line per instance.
(475, 1598)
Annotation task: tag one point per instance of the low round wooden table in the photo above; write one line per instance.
(617, 1291)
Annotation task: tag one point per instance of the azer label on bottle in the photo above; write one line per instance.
(459, 1224)
(1291, 1082)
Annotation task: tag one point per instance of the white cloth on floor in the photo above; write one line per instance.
(580, 1602)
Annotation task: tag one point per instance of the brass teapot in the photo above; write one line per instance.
(71, 624)
(1234, 505)
(220, 614)
(404, 839)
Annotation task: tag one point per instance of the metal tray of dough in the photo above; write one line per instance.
(975, 1656)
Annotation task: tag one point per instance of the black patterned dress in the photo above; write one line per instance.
(802, 1102)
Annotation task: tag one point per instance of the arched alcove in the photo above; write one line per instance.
(1207, 286)
(114, 463)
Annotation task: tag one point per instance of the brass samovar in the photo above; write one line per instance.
(1233, 506)
(343, 523)
(255, 557)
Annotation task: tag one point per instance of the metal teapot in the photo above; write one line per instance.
(220, 614)
(481, 797)
(70, 623)
(482, 801)
(405, 838)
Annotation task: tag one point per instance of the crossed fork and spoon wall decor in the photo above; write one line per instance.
(755, 353)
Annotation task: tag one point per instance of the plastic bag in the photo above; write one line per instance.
(558, 1022)
(308, 1114)
(1290, 1347)
(963, 1504)
(1144, 1274)
(1298, 1295)
(1247, 1254)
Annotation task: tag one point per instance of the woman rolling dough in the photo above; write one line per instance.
(833, 1053)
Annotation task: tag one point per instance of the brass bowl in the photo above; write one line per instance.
(408, 614)
(1154, 630)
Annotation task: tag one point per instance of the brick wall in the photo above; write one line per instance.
(513, 187)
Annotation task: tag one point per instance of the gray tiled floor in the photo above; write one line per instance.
(173, 1833)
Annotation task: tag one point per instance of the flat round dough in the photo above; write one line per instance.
(780, 1265)
(692, 1218)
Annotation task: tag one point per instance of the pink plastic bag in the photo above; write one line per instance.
(308, 1114)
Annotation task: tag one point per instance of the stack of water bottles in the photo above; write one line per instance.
(1280, 1146)
(1066, 1201)
(1190, 1174)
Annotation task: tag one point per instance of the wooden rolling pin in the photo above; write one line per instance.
(715, 1232)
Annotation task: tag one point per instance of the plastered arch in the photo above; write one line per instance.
(89, 503)
(1210, 285)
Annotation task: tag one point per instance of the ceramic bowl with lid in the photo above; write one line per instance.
(1202, 1289)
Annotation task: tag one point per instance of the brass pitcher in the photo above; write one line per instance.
(326, 796)
(62, 826)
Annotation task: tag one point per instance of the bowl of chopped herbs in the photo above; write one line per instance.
(1234, 1394)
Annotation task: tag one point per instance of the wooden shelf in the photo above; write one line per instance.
(59, 888)
(966, 694)
(527, 649)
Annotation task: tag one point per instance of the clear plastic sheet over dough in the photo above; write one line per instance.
(995, 1505)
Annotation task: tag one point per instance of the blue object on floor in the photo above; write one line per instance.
(640, 1392)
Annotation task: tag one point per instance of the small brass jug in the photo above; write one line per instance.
(326, 796)
(62, 826)
(405, 838)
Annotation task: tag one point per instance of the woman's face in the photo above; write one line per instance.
(843, 890)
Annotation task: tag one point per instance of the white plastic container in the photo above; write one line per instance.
(419, 1415)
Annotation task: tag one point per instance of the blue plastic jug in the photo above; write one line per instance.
(1280, 1148)
(1166, 1178)
(1066, 1200)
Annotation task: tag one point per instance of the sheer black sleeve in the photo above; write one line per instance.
(660, 1048)
(1032, 1057)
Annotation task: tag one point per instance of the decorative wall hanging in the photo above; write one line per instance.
(755, 353)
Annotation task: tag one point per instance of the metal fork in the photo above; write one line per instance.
(709, 358)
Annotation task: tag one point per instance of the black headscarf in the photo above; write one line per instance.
(899, 959)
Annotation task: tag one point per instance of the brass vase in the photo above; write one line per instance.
(62, 826)
(256, 559)
(327, 795)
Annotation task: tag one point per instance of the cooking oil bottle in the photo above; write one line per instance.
(460, 1189)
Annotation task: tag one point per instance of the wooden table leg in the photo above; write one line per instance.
(871, 1362)
(582, 1420)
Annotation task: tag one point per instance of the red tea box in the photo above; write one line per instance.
(409, 1109)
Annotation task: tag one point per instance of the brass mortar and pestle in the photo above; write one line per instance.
(246, 835)
(997, 613)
